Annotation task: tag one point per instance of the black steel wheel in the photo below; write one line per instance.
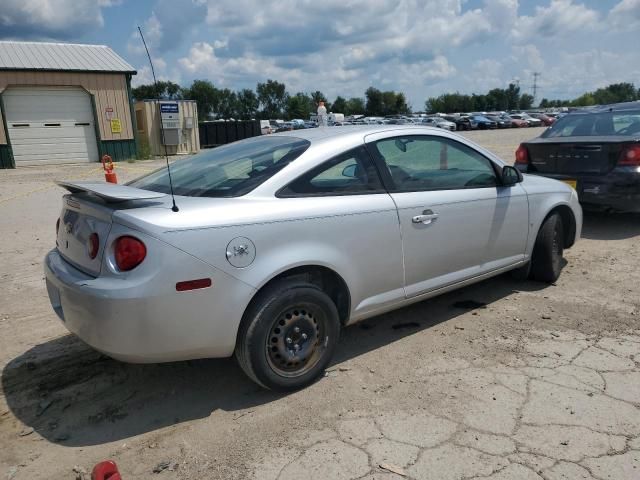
(288, 335)
(293, 347)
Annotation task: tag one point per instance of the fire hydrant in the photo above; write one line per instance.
(109, 174)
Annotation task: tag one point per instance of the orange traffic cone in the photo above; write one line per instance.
(109, 174)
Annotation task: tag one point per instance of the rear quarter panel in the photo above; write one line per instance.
(357, 236)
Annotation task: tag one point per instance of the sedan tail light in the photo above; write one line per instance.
(630, 157)
(522, 155)
(129, 253)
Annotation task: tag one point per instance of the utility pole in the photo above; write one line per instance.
(535, 84)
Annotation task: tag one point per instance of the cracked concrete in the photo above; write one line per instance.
(579, 419)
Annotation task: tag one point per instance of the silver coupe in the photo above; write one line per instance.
(278, 241)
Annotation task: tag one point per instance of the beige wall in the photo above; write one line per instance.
(149, 113)
(108, 90)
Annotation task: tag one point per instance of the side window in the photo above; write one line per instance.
(434, 163)
(347, 174)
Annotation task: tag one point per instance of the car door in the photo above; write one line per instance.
(355, 226)
(456, 220)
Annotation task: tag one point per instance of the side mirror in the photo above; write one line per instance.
(349, 171)
(510, 176)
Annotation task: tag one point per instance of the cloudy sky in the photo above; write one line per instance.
(421, 47)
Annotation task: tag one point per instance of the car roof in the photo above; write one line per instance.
(614, 107)
(316, 135)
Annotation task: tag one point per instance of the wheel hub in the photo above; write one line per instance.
(293, 341)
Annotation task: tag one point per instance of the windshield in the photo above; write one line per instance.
(596, 124)
(228, 171)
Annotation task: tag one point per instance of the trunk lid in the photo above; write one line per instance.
(88, 210)
(80, 218)
(575, 156)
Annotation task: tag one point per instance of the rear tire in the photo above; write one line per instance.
(546, 261)
(288, 336)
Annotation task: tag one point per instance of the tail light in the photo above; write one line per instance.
(129, 253)
(93, 245)
(522, 155)
(630, 157)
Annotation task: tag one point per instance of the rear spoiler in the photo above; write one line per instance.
(110, 192)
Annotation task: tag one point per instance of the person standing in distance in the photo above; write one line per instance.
(322, 114)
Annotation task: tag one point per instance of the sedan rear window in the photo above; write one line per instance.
(228, 171)
(596, 124)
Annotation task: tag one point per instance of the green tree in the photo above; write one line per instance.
(162, 90)
(525, 102)
(355, 106)
(497, 99)
(227, 106)
(272, 96)
(206, 97)
(299, 106)
(247, 104)
(375, 103)
(317, 97)
(340, 105)
(401, 103)
(616, 93)
(584, 100)
(513, 96)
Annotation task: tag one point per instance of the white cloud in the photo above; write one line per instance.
(163, 70)
(48, 19)
(152, 31)
(625, 15)
(560, 18)
(529, 56)
(589, 70)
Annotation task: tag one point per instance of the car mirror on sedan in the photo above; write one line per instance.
(510, 176)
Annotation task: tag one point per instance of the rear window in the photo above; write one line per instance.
(596, 124)
(228, 171)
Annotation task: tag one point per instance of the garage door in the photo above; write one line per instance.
(50, 125)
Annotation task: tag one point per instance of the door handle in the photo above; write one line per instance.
(426, 218)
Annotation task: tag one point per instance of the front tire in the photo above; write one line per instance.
(546, 261)
(288, 336)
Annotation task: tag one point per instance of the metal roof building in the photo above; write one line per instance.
(64, 103)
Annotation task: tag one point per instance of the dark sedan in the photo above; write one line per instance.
(483, 122)
(502, 122)
(462, 122)
(596, 151)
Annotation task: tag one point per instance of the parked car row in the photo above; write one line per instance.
(451, 122)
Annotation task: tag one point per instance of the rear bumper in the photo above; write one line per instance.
(617, 190)
(138, 320)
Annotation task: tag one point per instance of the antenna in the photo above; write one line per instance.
(174, 208)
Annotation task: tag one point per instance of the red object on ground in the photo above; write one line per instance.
(109, 174)
(107, 470)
